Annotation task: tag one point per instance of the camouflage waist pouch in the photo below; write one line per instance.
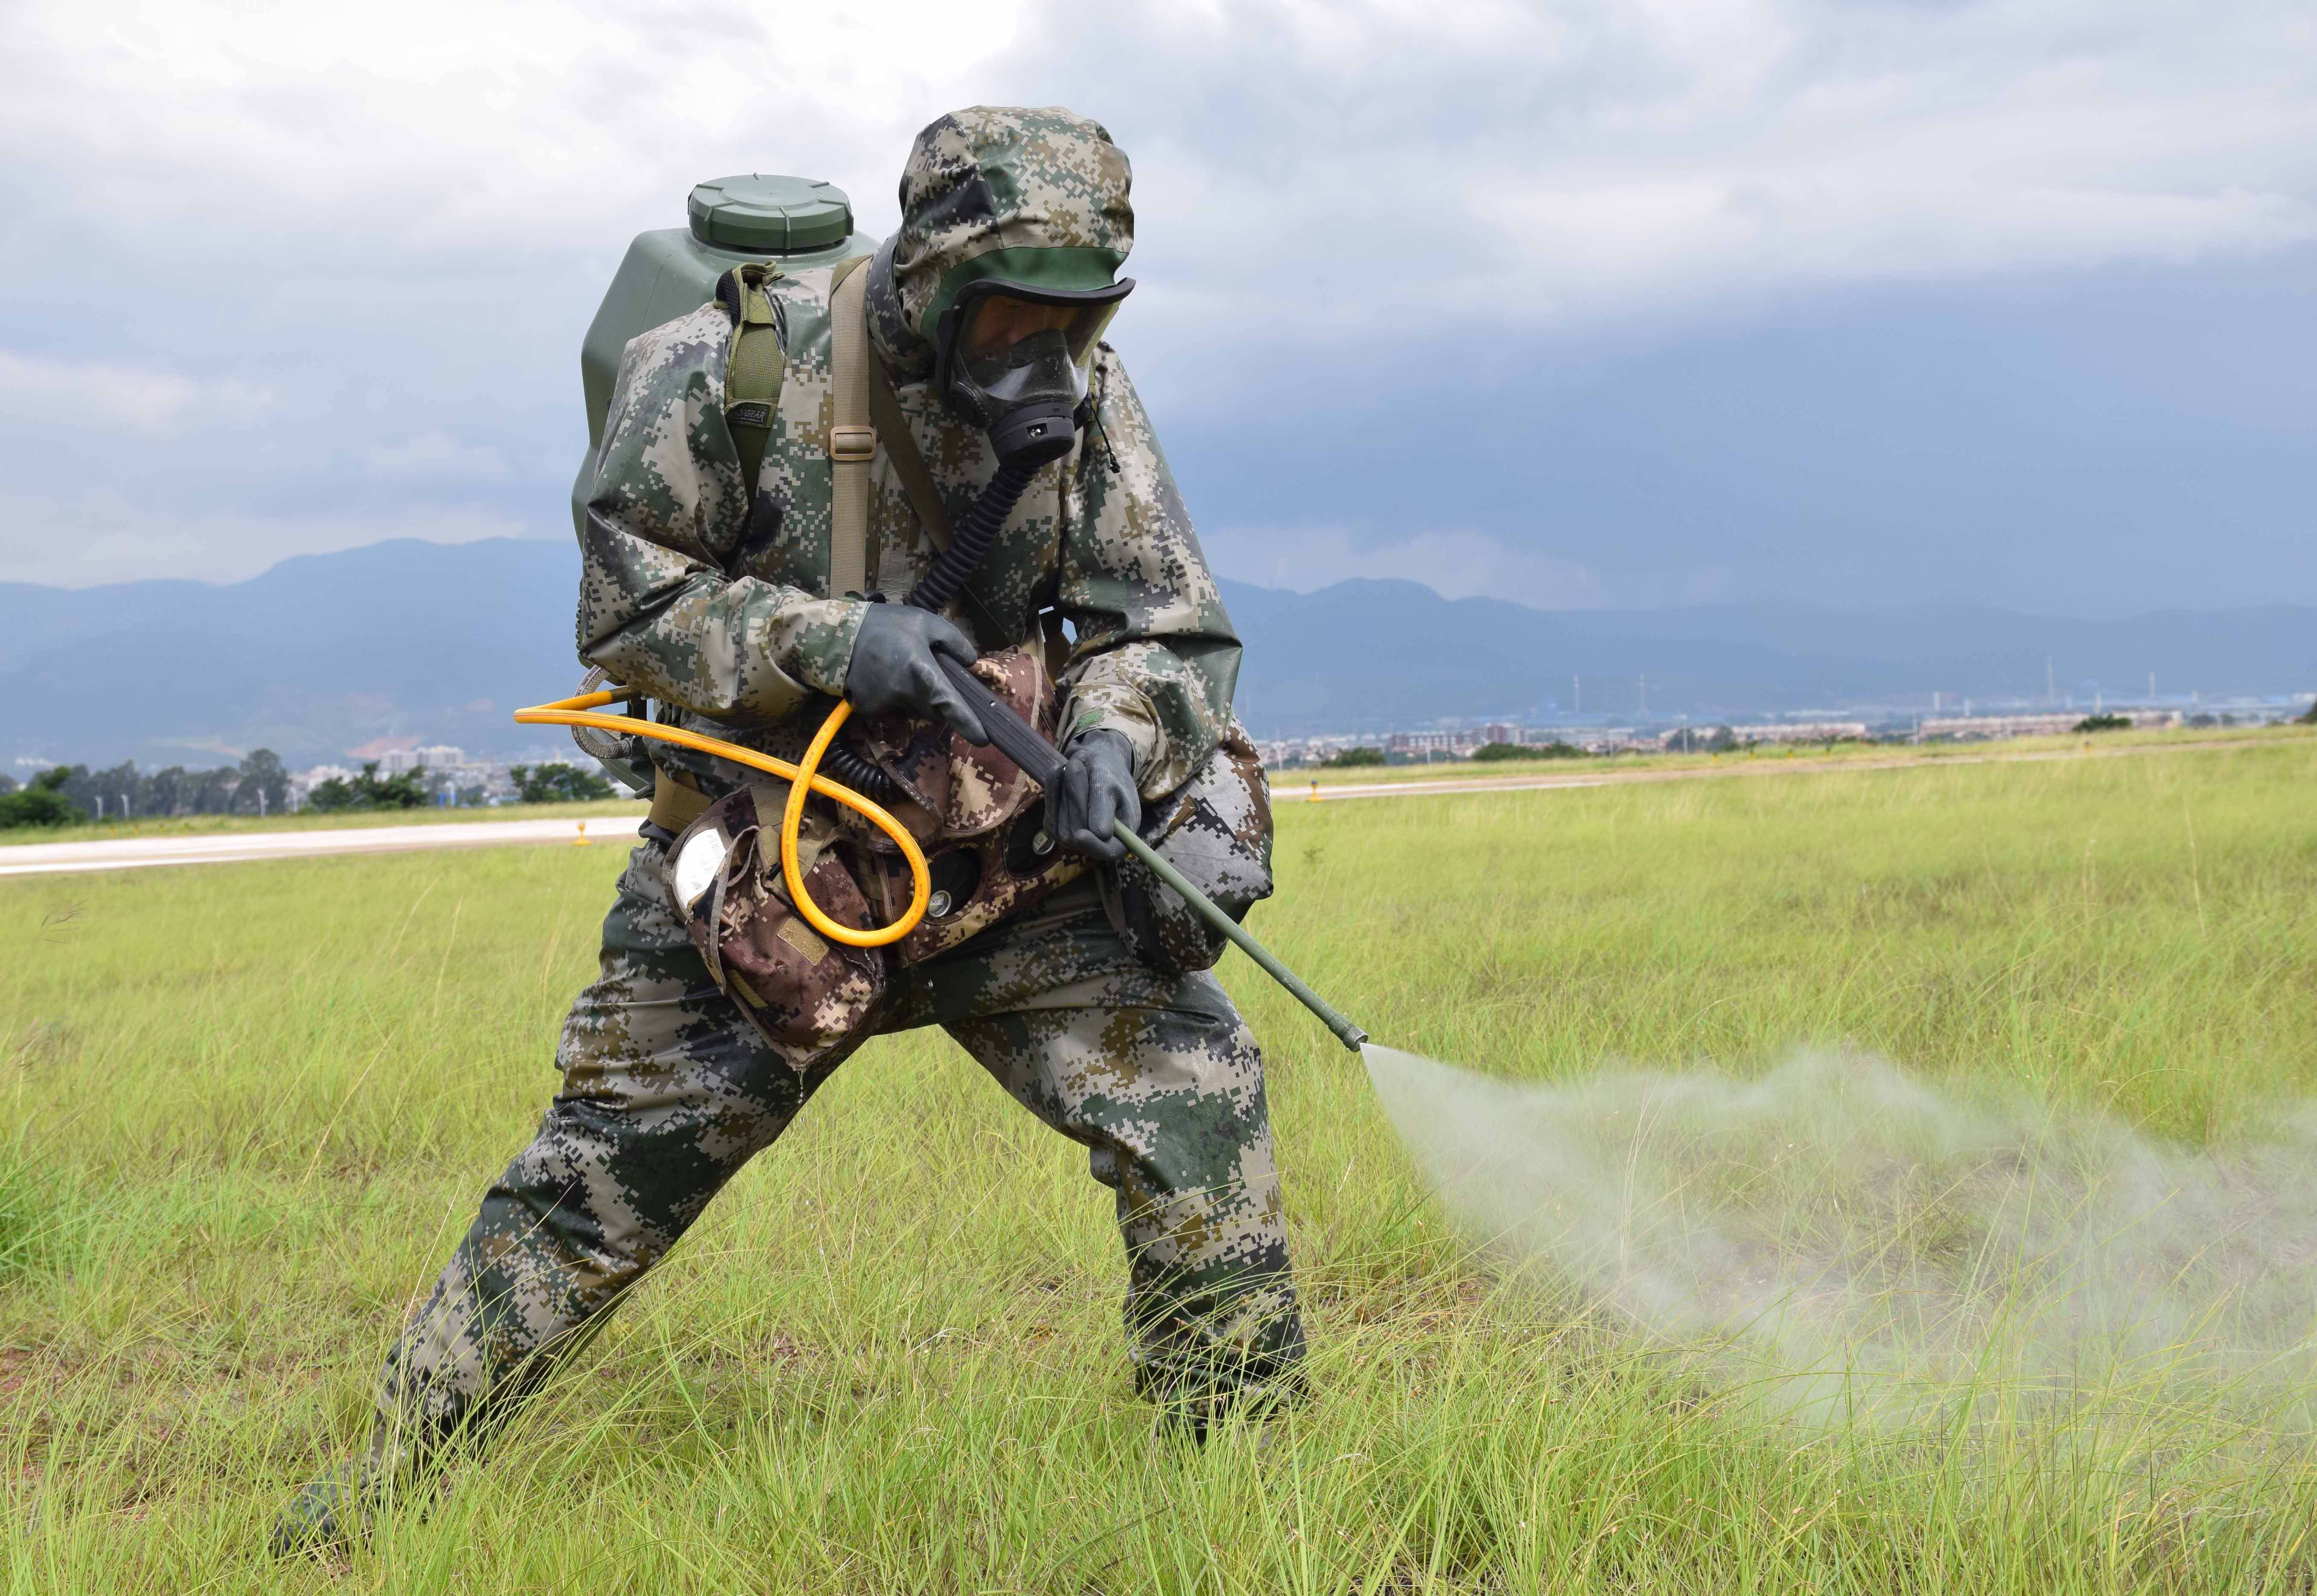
(804, 994)
(1216, 829)
(977, 818)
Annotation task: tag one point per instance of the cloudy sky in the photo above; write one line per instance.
(1586, 303)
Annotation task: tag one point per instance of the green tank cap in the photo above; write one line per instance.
(773, 215)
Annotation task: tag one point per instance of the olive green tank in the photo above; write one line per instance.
(796, 222)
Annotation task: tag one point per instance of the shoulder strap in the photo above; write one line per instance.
(852, 437)
(909, 464)
(869, 415)
(865, 403)
(753, 373)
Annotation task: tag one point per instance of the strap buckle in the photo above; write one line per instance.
(852, 445)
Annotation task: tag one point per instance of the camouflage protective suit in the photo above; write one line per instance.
(723, 616)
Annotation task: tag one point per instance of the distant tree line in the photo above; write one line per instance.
(1490, 753)
(39, 802)
(259, 785)
(1702, 739)
(557, 783)
(417, 788)
(370, 790)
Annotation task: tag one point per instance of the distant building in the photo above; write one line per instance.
(1976, 727)
(303, 782)
(1442, 742)
(451, 774)
(1425, 742)
(1597, 740)
(1800, 732)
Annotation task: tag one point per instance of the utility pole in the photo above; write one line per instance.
(2051, 687)
(1645, 695)
(1577, 694)
(2151, 690)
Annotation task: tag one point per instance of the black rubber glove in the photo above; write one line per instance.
(1097, 787)
(892, 668)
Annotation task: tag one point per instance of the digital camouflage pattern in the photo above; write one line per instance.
(1002, 178)
(1216, 829)
(727, 618)
(805, 994)
(978, 814)
(669, 601)
(720, 611)
(973, 811)
(668, 1092)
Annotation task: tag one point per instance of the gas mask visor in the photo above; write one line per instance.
(1011, 359)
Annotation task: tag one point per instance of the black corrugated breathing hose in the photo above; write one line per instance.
(954, 566)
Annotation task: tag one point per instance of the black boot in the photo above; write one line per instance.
(330, 1514)
(1189, 1408)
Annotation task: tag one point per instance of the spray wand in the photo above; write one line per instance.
(1042, 762)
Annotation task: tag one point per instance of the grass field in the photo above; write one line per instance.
(253, 1105)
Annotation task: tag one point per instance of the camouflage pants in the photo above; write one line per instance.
(666, 1093)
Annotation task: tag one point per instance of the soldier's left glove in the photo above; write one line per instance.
(1097, 788)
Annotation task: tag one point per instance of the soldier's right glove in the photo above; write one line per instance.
(893, 668)
(1097, 790)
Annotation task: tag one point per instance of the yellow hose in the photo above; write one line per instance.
(801, 778)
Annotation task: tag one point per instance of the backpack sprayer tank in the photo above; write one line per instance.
(798, 222)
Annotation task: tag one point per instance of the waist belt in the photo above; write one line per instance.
(675, 802)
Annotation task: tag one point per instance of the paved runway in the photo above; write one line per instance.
(229, 847)
(132, 853)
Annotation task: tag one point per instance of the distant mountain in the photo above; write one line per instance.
(326, 652)
(1364, 655)
(316, 656)
(1368, 656)
(1993, 650)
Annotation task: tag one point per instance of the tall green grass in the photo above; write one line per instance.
(252, 1106)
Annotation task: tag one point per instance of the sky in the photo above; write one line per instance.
(1583, 304)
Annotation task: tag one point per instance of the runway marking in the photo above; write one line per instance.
(234, 847)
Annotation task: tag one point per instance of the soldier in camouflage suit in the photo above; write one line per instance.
(719, 610)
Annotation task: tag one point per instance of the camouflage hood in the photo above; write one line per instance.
(1035, 196)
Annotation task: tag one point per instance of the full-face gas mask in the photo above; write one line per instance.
(1012, 358)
